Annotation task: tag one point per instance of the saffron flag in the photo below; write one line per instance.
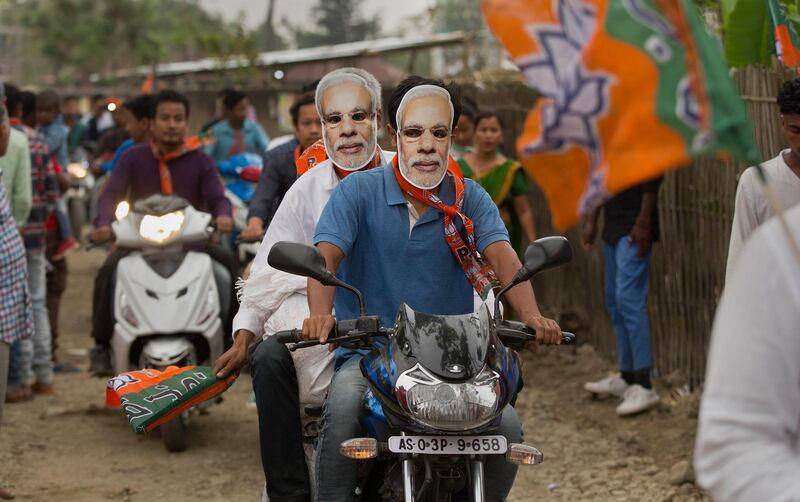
(629, 89)
(757, 30)
(787, 43)
(150, 397)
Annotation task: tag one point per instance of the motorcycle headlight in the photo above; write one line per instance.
(449, 406)
(160, 229)
(123, 208)
(77, 170)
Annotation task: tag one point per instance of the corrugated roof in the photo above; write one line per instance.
(295, 56)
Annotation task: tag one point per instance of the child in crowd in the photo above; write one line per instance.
(52, 128)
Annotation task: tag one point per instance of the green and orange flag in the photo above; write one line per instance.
(151, 397)
(629, 89)
(757, 30)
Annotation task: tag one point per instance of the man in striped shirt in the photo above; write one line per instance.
(33, 358)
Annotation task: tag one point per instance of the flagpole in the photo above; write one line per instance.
(777, 208)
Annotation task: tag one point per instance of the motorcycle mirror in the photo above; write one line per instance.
(543, 254)
(307, 261)
(300, 259)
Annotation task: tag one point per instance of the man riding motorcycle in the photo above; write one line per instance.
(351, 99)
(409, 232)
(236, 133)
(162, 166)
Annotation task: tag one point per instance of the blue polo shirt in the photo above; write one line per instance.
(367, 218)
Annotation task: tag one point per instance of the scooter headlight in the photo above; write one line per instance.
(77, 170)
(161, 229)
(449, 406)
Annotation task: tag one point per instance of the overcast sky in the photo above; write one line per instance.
(394, 12)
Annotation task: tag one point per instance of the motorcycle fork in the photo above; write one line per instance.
(474, 473)
(408, 479)
(475, 468)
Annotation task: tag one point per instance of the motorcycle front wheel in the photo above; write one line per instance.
(77, 216)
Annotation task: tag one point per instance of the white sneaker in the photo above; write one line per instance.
(636, 400)
(610, 386)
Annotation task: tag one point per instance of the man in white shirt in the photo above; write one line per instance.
(783, 173)
(349, 102)
(747, 444)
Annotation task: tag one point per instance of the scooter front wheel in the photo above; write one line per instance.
(173, 434)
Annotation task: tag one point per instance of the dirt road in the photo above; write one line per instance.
(69, 447)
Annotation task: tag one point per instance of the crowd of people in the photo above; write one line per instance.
(446, 201)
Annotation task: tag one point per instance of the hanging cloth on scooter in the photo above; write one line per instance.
(150, 397)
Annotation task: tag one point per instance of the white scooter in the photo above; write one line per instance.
(169, 301)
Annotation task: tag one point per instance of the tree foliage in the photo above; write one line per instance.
(337, 21)
(82, 37)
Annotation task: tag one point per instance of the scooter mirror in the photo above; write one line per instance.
(300, 259)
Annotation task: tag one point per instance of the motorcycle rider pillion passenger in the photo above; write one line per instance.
(410, 232)
(165, 165)
(349, 102)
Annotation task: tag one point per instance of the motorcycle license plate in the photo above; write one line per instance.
(448, 445)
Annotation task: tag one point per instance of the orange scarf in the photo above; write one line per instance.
(163, 169)
(316, 155)
(465, 250)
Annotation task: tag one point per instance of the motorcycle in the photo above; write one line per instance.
(438, 386)
(79, 193)
(169, 301)
(240, 174)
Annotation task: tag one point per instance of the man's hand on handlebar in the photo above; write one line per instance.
(101, 234)
(236, 356)
(254, 229)
(547, 331)
(318, 327)
(224, 224)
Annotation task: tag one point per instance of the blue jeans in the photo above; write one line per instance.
(36, 353)
(337, 476)
(627, 277)
(62, 217)
(15, 365)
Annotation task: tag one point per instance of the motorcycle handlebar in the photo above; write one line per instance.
(352, 333)
(95, 244)
(289, 336)
(249, 240)
(515, 332)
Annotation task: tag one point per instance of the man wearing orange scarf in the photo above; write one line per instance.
(348, 100)
(410, 232)
(169, 166)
